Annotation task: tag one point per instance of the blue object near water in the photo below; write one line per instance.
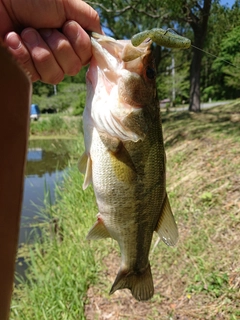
(34, 112)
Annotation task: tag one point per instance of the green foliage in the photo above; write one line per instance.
(56, 121)
(42, 89)
(214, 284)
(43, 94)
(232, 74)
(60, 102)
(55, 124)
(167, 81)
(51, 124)
(229, 48)
(123, 19)
(210, 92)
(37, 100)
(71, 88)
(79, 105)
(207, 196)
(67, 96)
(223, 42)
(229, 51)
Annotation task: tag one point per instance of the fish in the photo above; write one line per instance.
(124, 158)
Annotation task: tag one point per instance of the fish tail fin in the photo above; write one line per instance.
(140, 284)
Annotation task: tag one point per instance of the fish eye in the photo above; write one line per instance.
(150, 73)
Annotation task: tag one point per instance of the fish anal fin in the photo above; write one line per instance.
(167, 227)
(140, 283)
(98, 231)
(85, 167)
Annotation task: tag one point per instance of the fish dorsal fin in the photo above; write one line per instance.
(166, 227)
(98, 231)
(85, 167)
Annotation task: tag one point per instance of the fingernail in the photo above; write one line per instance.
(13, 41)
(45, 32)
(71, 30)
(30, 37)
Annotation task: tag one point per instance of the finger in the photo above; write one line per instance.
(83, 14)
(79, 40)
(42, 57)
(20, 52)
(62, 50)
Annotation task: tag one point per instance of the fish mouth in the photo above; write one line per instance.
(120, 91)
(113, 56)
(121, 49)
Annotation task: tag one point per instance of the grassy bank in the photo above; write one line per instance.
(69, 278)
(56, 125)
(61, 264)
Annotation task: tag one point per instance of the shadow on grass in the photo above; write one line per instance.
(176, 116)
(180, 126)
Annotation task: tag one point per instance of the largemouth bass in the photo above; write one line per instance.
(124, 157)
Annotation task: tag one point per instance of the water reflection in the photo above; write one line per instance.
(47, 156)
(47, 161)
(40, 161)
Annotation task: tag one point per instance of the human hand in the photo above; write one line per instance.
(30, 32)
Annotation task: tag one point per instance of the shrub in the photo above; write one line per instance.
(78, 107)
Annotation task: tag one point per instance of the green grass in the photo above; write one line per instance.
(56, 124)
(197, 279)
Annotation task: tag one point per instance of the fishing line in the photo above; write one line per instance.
(213, 55)
(210, 54)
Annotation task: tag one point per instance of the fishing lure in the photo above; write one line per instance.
(162, 38)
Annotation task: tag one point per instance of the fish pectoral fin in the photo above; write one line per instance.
(106, 120)
(85, 167)
(140, 283)
(167, 227)
(111, 143)
(98, 231)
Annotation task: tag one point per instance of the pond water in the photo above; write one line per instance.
(47, 161)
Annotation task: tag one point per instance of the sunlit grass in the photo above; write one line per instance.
(55, 124)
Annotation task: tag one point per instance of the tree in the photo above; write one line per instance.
(42, 89)
(197, 16)
(222, 21)
(229, 52)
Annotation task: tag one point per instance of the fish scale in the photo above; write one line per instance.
(124, 158)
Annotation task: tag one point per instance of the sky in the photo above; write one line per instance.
(229, 2)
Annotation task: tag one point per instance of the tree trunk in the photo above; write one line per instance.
(199, 26)
(195, 75)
